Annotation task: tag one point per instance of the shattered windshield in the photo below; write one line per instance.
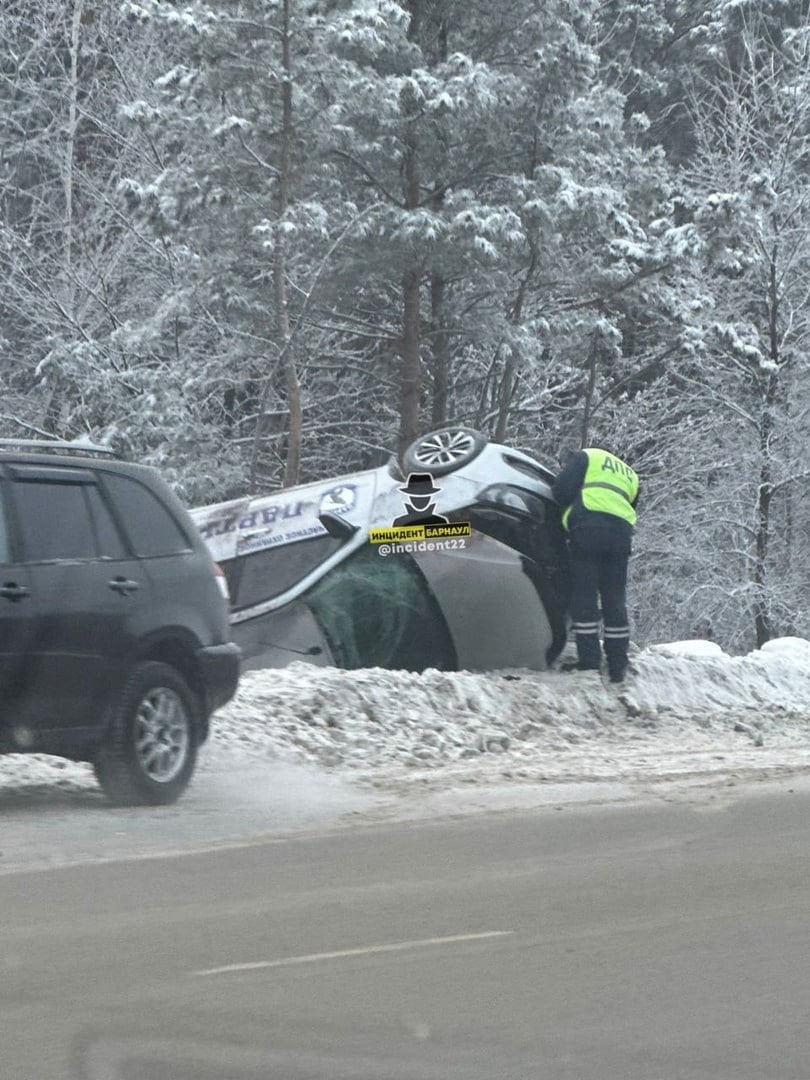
(380, 613)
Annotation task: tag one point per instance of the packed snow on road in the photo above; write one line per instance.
(688, 716)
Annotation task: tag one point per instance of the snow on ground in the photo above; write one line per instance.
(687, 713)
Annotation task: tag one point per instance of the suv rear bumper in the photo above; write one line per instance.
(219, 671)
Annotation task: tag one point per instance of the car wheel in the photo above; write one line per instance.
(150, 747)
(443, 451)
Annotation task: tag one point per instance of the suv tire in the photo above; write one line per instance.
(443, 451)
(150, 748)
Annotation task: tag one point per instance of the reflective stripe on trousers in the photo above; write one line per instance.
(589, 650)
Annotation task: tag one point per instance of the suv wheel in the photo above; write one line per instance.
(443, 451)
(150, 748)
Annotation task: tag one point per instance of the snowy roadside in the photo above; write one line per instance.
(688, 715)
(688, 712)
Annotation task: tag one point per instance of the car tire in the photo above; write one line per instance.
(443, 451)
(150, 747)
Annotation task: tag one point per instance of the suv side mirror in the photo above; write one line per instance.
(336, 526)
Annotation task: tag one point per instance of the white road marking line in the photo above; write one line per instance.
(368, 950)
(84, 861)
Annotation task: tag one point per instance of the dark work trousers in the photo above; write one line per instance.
(599, 558)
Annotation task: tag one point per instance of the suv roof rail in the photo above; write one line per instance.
(60, 446)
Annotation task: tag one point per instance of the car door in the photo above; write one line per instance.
(531, 527)
(504, 593)
(496, 619)
(167, 555)
(16, 624)
(90, 595)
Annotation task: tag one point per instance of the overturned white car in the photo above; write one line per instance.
(453, 558)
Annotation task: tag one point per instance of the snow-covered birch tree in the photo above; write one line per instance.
(750, 192)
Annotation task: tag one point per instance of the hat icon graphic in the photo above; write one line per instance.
(420, 484)
(419, 492)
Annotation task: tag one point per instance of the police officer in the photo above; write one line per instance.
(599, 493)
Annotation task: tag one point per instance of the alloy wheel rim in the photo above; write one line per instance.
(161, 734)
(444, 448)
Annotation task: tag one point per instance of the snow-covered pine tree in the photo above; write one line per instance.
(748, 191)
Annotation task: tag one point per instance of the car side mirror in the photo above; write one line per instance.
(337, 526)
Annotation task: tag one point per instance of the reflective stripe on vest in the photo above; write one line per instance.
(609, 487)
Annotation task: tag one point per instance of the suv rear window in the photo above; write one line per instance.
(151, 529)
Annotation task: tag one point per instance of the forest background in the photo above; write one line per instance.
(259, 242)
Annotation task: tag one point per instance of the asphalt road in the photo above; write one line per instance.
(613, 943)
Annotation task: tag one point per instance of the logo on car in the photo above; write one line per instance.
(338, 500)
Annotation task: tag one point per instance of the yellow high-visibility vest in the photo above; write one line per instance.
(609, 487)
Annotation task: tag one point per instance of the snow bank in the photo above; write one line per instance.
(679, 700)
(686, 710)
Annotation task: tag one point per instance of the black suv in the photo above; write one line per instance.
(114, 639)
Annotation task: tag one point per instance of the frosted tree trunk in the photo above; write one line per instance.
(293, 462)
(409, 402)
(411, 325)
(440, 351)
(762, 620)
(74, 46)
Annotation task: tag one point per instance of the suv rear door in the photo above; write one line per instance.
(185, 592)
(91, 595)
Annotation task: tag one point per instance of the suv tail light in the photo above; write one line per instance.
(222, 582)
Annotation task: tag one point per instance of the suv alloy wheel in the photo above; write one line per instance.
(151, 744)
